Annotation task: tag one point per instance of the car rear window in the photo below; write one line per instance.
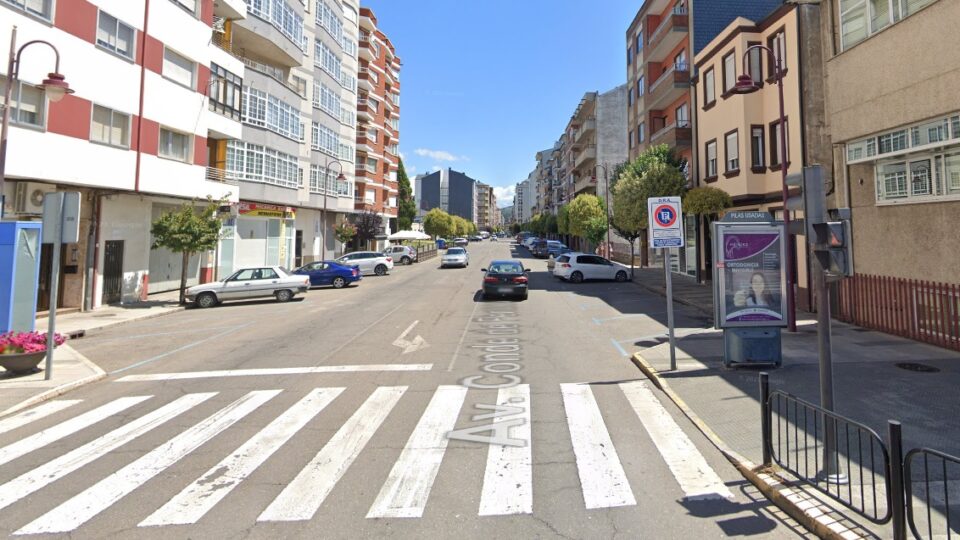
(456, 251)
(563, 258)
(506, 268)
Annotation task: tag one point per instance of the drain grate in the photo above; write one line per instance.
(918, 367)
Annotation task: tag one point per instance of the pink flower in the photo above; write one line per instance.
(27, 342)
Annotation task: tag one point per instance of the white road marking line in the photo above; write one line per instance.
(51, 471)
(51, 407)
(198, 498)
(303, 496)
(38, 440)
(275, 371)
(97, 498)
(412, 345)
(466, 327)
(362, 332)
(602, 479)
(508, 478)
(407, 488)
(695, 476)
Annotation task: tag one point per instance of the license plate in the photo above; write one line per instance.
(505, 290)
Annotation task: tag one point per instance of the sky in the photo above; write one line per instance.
(486, 84)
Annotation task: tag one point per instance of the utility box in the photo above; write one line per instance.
(20, 245)
(752, 346)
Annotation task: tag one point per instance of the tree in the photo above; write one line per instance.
(345, 232)
(706, 201)
(584, 208)
(368, 224)
(563, 220)
(407, 206)
(634, 187)
(187, 231)
(438, 224)
(550, 224)
(515, 228)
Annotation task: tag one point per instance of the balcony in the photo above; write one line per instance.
(669, 87)
(672, 30)
(673, 136)
(585, 157)
(230, 9)
(363, 109)
(368, 79)
(364, 144)
(216, 174)
(258, 38)
(588, 127)
(585, 184)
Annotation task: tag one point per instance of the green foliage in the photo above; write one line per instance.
(407, 206)
(187, 231)
(636, 185)
(563, 220)
(438, 224)
(345, 232)
(706, 201)
(583, 209)
(550, 224)
(515, 228)
(596, 229)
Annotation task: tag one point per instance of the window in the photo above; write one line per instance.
(42, 8)
(282, 17)
(27, 103)
(756, 148)
(174, 145)
(226, 92)
(892, 180)
(256, 163)
(920, 180)
(630, 138)
(114, 35)
(682, 116)
(862, 18)
(711, 153)
(629, 55)
(326, 59)
(639, 46)
(756, 63)
(630, 97)
(371, 164)
(777, 44)
(732, 148)
(110, 127)
(188, 5)
(709, 92)
(640, 86)
(178, 69)
(892, 142)
(641, 132)
(680, 61)
(775, 150)
(729, 72)
(325, 140)
(268, 111)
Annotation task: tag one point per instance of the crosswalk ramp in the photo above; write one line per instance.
(505, 427)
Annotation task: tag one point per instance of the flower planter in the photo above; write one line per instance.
(22, 363)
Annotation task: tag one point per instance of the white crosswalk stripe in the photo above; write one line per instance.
(303, 496)
(508, 478)
(52, 471)
(602, 478)
(83, 507)
(29, 444)
(21, 419)
(197, 499)
(696, 478)
(407, 488)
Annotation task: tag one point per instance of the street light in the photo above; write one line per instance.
(746, 85)
(340, 178)
(54, 86)
(606, 196)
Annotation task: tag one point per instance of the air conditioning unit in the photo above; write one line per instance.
(28, 197)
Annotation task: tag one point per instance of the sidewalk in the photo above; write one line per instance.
(70, 368)
(686, 290)
(869, 387)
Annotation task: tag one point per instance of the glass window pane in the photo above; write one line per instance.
(879, 14)
(100, 126)
(106, 31)
(29, 104)
(125, 40)
(121, 129)
(177, 68)
(853, 26)
(920, 177)
(952, 169)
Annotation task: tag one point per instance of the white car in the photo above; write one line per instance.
(528, 242)
(455, 256)
(369, 262)
(250, 283)
(577, 267)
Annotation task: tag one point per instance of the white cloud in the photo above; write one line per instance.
(439, 155)
(504, 195)
(435, 168)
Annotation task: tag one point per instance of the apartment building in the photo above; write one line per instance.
(545, 172)
(378, 115)
(895, 126)
(486, 207)
(451, 191)
(523, 200)
(595, 136)
(134, 139)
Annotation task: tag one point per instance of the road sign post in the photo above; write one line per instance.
(61, 224)
(666, 231)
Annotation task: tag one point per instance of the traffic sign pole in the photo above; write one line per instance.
(666, 229)
(669, 278)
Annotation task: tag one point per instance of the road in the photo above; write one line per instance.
(405, 406)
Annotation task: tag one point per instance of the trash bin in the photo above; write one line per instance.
(441, 243)
(752, 346)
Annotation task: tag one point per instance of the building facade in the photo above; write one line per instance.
(596, 141)
(451, 191)
(378, 131)
(486, 208)
(523, 201)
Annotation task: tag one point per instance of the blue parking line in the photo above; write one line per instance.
(597, 321)
(623, 351)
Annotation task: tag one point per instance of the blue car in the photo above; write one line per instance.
(330, 273)
(557, 248)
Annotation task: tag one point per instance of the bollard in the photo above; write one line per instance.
(765, 416)
(897, 501)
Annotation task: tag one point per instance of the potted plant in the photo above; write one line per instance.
(21, 352)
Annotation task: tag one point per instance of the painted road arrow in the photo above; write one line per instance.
(412, 345)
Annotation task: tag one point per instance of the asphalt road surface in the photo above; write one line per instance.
(405, 406)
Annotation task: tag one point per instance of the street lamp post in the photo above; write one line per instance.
(746, 85)
(340, 178)
(606, 197)
(54, 86)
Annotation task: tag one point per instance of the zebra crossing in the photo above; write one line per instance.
(507, 478)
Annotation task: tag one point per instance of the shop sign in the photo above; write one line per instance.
(249, 209)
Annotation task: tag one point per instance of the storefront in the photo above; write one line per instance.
(258, 235)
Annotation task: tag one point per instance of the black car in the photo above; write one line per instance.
(505, 278)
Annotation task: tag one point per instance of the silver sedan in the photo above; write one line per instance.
(250, 283)
(455, 256)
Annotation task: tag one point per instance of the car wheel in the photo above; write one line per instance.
(524, 297)
(576, 277)
(206, 300)
(284, 295)
(621, 276)
(339, 282)
(380, 270)
(407, 261)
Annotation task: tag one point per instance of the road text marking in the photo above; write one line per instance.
(508, 478)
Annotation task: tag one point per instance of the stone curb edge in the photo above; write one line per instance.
(98, 374)
(801, 508)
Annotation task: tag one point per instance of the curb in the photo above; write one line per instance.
(806, 510)
(98, 374)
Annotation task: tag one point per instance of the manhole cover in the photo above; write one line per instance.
(915, 366)
(102, 315)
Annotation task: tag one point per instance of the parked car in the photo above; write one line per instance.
(402, 254)
(493, 238)
(249, 283)
(460, 242)
(528, 241)
(505, 278)
(539, 249)
(455, 256)
(329, 273)
(557, 248)
(476, 238)
(577, 267)
(369, 262)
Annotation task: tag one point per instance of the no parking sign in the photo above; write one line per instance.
(666, 222)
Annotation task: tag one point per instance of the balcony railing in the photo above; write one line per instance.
(369, 74)
(273, 72)
(667, 22)
(220, 38)
(679, 67)
(216, 174)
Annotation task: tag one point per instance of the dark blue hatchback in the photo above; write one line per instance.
(329, 273)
